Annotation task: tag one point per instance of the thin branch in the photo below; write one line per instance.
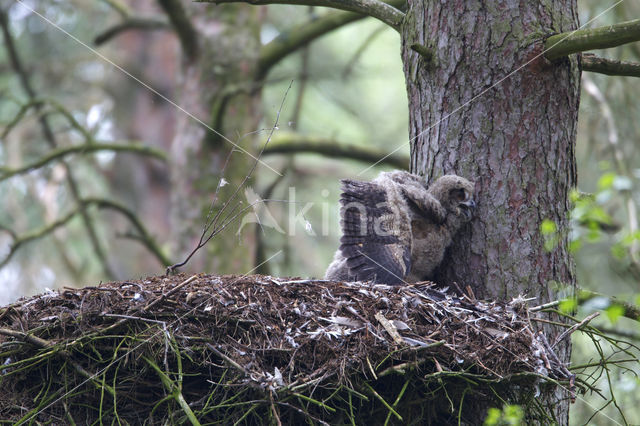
(573, 328)
(296, 144)
(208, 233)
(375, 8)
(606, 66)
(60, 153)
(128, 24)
(184, 28)
(566, 43)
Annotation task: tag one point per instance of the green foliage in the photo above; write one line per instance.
(568, 305)
(614, 313)
(509, 415)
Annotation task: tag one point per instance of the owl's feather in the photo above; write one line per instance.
(396, 229)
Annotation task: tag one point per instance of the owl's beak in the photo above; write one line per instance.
(467, 208)
(469, 203)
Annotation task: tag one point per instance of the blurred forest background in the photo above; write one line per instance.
(348, 91)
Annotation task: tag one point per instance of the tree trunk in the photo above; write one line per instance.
(214, 88)
(488, 107)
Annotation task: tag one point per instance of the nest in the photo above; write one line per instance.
(251, 349)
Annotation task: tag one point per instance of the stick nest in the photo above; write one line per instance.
(256, 349)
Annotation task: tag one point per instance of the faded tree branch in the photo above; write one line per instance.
(297, 144)
(375, 8)
(184, 28)
(51, 140)
(294, 38)
(144, 236)
(564, 44)
(60, 153)
(130, 24)
(606, 66)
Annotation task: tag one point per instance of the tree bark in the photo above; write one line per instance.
(489, 107)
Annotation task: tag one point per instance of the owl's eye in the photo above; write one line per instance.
(458, 195)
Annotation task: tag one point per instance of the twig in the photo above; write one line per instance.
(382, 400)
(170, 293)
(573, 328)
(545, 306)
(228, 360)
(29, 338)
(390, 328)
(212, 226)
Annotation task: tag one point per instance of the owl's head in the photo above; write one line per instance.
(455, 193)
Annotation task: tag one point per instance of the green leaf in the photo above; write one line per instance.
(606, 181)
(548, 227)
(508, 416)
(493, 417)
(619, 251)
(568, 306)
(614, 312)
(575, 246)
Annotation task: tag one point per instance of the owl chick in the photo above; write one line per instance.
(396, 229)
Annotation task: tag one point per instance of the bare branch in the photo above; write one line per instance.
(130, 24)
(375, 8)
(601, 65)
(60, 153)
(566, 43)
(184, 28)
(292, 143)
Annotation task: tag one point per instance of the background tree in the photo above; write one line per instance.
(479, 90)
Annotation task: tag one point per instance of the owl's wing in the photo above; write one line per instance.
(376, 240)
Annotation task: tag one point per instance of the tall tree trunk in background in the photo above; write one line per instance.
(227, 52)
(516, 140)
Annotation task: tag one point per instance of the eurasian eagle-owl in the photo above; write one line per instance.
(396, 229)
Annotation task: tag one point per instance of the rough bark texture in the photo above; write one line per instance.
(488, 108)
(214, 88)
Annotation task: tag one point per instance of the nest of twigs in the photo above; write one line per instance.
(256, 349)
